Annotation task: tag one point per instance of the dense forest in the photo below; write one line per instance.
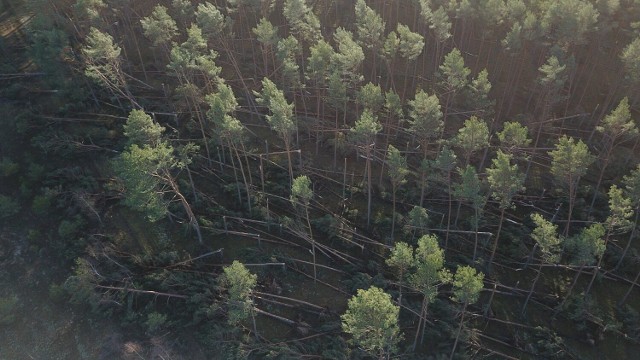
(319, 179)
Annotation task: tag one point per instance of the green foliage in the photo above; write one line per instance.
(349, 56)
(302, 20)
(240, 284)
(505, 179)
(470, 187)
(281, 118)
(8, 207)
(397, 166)
(8, 167)
(417, 218)
(140, 129)
(445, 160)
(371, 97)
(337, 90)
(620, 211)
(430, 271)
(319, 61)
(631, 60)
(393, 105)
(90, 9)
(266, 33)
(618, 124)
(425, 117)
(369, 25)
(546, 236)
(301, 192)
(438, 21)
(69, 229)
(141, 169)
(390, 47)
(513, 136)
(155, 322)
(570, 160)
(210, 20)
(454, 73)
(372, 321)
(8, 308)
(80, 286)
(102, 57)
(400, 259)
(467, 284)
(478, 97)
(552, 74)
(588, 245)
(366, 128)
(473, 136)
(160, 28)
(569, 20)
(632, 186)
(410, 44)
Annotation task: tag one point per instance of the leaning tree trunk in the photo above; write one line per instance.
(631, 237)
(495, 244)
(533, 287)
(455, 343)
(187, 208)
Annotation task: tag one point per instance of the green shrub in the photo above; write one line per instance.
(8, 167)
(8, 309)
(8, 207)
(155, 322)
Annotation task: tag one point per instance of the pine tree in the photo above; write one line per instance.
(505, 181)
(303, 22)
(514, 137)
(211, 20)
(585, 249)
(620, 212)
(445, 162)
(426, 121)
(103, 64)
(267, 36)
(632, 191)
(372, 321)
(467, 284)
(569, 162)
(281, 118)
(472, 137)
(146, 171)
(349, 56)
(470, 190)
(616, 128)
(370, 96)
(453, 76)
(363, 134)
(370, 31)
(546, 238)
(240, 284)
(301, 195)
(427, 277)
(159, 27)
(398, 170)
(400, 260)
(478, 95)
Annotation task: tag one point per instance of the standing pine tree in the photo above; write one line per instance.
(569, 162)
(505, 181)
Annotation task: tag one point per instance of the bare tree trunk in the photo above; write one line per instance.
(533, 286)
(626, 295)
(573, 284)
(631, 237)
(453, 351)
(495, 244)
